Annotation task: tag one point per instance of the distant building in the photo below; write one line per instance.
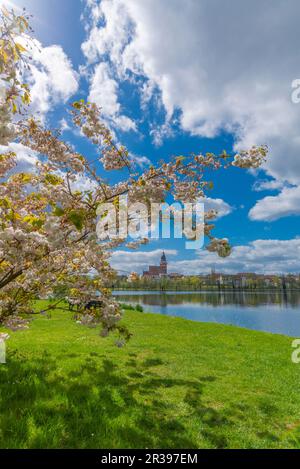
(175, 275)
(156, 271)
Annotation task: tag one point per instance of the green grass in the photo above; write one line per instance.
(177, 384)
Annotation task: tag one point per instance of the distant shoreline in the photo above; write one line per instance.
(212, 290)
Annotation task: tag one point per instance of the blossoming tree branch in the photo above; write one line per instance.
(47, 224)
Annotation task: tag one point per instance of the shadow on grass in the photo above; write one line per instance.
(104, 405)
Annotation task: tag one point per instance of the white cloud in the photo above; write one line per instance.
(52, 77)
(219, 205)
(103, 90)
(267, 185)
(113, 36)
(137, 261)
(83, 183)
(26, 158)
(124, 123)
(160, 132)
(104, 93)
(224, 65)
(64, 126)
(140, 161)
(282, 205)
(261, 256)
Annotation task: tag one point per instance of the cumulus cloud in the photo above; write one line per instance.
(83, 183)
(140, 161)
(137, 261)
(114, 33)
(268, 256)
(103, 90)
(104, 93)
(219, 205)
(64, 126)
(52, 77)
(26, 158)
(223, 65)
(267, 185)
(274, 207)
(261, 256)
(160, 132)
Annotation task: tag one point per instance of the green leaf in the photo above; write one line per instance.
(77, 218)
(53, 179)
(58, 211)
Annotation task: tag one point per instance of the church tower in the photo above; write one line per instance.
(163, 265)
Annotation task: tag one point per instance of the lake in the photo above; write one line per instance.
(275, 312)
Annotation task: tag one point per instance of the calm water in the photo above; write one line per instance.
(264, 311)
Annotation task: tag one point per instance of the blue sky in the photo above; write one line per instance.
(178, 80)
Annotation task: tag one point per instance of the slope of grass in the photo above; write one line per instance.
(177, 384)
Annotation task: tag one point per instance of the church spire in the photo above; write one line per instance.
(163, 265)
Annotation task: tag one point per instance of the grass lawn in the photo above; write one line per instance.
(177, 384)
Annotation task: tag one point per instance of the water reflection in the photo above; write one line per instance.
(272, 311)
